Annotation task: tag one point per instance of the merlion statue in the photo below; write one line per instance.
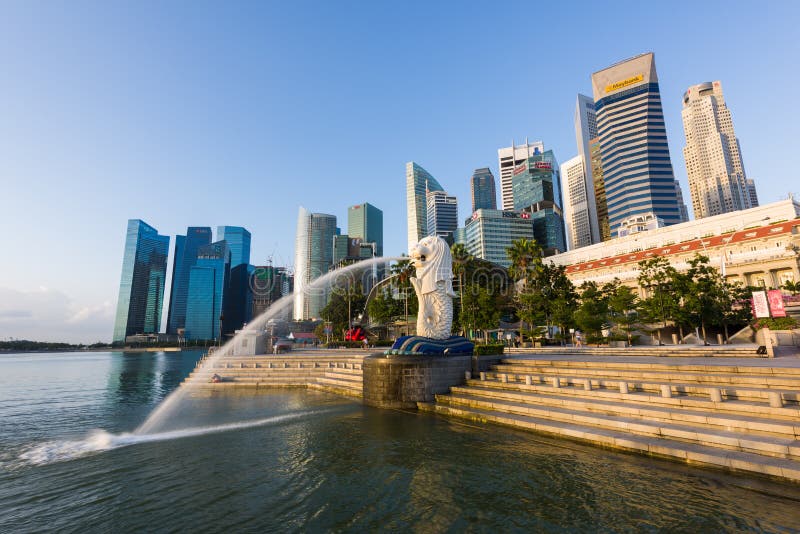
(434, 287)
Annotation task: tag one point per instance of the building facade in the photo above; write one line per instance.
(418, 183)
(508, 159)
(717, 180)
(754, 247)
(365, 222)
(442, 215)
(585, 130)
(596, 165)
(489, 233)
(577, 217)
(141, 286)
(637, 170)
(209, 279)
(484, 194)
(313, 258)
(536, 187)
(184, 258)
(269, 284)
(239, 299)
(751, 193)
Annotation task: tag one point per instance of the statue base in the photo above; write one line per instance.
(452, 346)
(403, 380)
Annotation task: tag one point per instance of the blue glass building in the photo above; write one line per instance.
(637, 170)
(419, 183)
(536, 186)
(365, 221)
(484, 195)
(239, 297)
(208, 280)
(186, 248)
(141, 287)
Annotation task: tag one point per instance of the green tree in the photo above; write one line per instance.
(525, 256)
(658, 278)
(592, 313)
(346, 302)
(706, 299)
(623, 306)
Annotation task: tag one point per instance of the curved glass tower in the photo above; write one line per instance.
(313, 257)
(141, 286)
(418, 183)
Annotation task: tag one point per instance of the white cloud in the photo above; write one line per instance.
(51, 315)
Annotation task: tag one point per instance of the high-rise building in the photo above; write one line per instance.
(269, 284)
(185, 257)
(585, 131)
(508, 160)
(717, 180)
(238, 240)
(537, 190)
(442, 215)
(577, 220)
(484, 195)
(418, 183)
(751, 192)
(209, 279)
(313, 258)
(596, 164)
(365, 221)
(489, 233)
(681, 203)
(141, 286)
(637, 171)
(239, 298)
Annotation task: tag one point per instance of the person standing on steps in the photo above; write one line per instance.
(578, 339)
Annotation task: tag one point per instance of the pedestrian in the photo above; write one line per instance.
(578, 338)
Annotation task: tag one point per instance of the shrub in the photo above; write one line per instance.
(487, 350)
(775, 323)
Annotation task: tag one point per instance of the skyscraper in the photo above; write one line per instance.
(418, 183)
(185, 257)
(238, 240)
(508, 159)
(584, 207)
(537, 191)
(209, 279)
(577, 220)
(313, 258)
(442, 215)
(489, 233)
(596, 164)
(637, 170)
(751, 192)
(239, 298)
(484, 195)
(717, 180)
(365, 221)
(141, 286)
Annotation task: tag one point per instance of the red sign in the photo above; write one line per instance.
(543, 165)
(776, 306)
(760, 304)
(519, 169)
(525, 215)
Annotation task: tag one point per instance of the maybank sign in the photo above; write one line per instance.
(624, 83)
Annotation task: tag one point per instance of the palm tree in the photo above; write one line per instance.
(525, 256)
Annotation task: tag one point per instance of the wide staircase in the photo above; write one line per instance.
(739, 415)
(748, 350)
(335, 373)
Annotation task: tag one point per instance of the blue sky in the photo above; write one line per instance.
(189, 113)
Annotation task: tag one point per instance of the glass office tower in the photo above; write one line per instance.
(141, 287)
(208, 281)
(442, 215)
(185, 257)
(536, 186)
(418, 183)
(637, 170)
(365, 221)
(239, 297)
(484, 195)
(313, 258)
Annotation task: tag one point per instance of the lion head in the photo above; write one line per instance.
(432, 259)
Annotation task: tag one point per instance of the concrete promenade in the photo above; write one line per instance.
(733, 411)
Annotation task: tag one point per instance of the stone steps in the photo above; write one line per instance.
(763, 367)
(707, 416)
(701, 401)
(745, 351)
(689, 452)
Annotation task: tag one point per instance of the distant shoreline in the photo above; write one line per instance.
(106, 349)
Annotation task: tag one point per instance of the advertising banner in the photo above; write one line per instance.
(760, 304)
(776, 307)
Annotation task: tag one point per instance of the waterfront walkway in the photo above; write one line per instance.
(733, 411)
